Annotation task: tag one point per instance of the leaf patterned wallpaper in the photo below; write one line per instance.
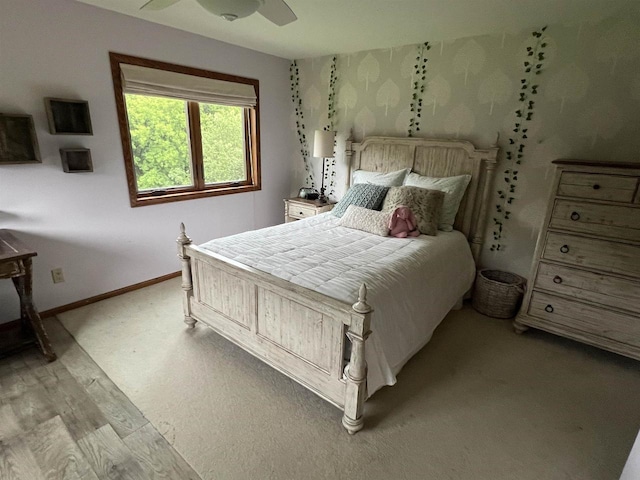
(587, 106)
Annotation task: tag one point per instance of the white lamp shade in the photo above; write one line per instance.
(323, 144)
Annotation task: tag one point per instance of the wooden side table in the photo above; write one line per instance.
(299, 208)
(15, 263)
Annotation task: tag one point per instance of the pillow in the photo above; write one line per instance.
(391, 179)
(425, 204)
(362, 195)
(366, 220)
(454, 188)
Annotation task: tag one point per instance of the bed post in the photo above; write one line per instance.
(477, 240)
(187, 284)
(348, 152)
(356, 369)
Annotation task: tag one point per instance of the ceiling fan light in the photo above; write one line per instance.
(231, 9)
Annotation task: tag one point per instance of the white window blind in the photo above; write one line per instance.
(163, 83)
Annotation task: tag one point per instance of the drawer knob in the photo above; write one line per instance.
(564, 248)
(575, 216)
(557, 279)
(300, 213)
(548, 309)
(596, 186)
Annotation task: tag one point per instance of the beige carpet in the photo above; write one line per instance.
(478, 402)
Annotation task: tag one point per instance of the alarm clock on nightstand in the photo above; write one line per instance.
(308, 193)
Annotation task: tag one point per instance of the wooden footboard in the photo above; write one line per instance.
(297, 331)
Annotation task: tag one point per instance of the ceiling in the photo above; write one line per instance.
(342, 26)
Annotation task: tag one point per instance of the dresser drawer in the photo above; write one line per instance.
(301, 211)
(589, 286)
(615, 221)
(616, 188)
(579, 316)
(591, 253)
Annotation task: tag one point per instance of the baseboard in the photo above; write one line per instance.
(10, 325)
(103, 296)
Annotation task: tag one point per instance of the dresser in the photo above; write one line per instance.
(585, 277)
(299, 208)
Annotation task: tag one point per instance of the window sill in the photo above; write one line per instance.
(180, 196)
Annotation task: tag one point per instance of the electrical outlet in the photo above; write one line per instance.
(57, 276)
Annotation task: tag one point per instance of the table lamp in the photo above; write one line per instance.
(323, 143)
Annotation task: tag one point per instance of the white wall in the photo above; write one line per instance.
(83, 222)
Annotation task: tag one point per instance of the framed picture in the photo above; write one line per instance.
(76, 160)
(68, 117)
(18, 141)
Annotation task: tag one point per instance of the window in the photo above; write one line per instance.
(186, 133)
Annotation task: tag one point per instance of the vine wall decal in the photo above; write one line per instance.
(420, 74)
(514, 153)
(300, 127)
(330, 173)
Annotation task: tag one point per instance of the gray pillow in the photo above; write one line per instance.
(364, 195)
(425, 204)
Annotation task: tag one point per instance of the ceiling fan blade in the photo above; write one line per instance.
(277, 11)
(158, 4)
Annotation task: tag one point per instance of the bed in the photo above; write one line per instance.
(301, 296)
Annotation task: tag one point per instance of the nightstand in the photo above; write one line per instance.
(299, 208)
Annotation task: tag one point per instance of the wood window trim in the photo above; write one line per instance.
(199, 190)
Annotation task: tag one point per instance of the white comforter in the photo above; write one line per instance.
(412, 283)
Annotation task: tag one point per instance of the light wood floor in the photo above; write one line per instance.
(67, 420)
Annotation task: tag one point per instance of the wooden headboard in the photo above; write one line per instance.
(435, 158)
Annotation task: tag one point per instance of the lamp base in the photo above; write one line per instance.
(322, 198)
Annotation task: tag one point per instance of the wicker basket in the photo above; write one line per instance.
(498, 294)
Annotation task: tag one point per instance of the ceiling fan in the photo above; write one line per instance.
(276, 11)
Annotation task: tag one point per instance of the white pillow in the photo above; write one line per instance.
(366, 220)
(391, 179)
(454, 188)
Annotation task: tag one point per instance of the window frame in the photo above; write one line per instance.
(199, 189)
